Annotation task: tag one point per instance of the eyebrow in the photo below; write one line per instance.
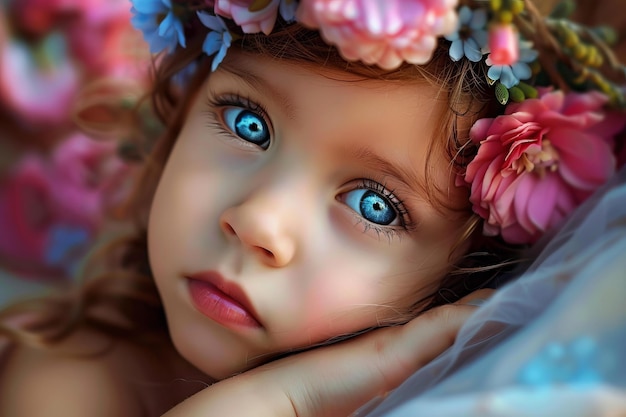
(262, 86)
(368, 157)
(363, 154)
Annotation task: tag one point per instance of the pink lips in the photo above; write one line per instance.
(224, 302)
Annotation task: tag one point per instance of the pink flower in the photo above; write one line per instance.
(45, 202)
(503, 45)
(88, 178)
(39, 93)
(98, 32)
(539, 161)
(382, 32)
(25, 197)
(251, 21)
(102, 39)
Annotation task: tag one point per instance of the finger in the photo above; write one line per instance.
(476, 298)
(420, 341)
(440, 325)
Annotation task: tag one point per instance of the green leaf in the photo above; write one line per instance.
(607, 33)
(564, 9)
(517, 95)
(502, 94)
(529, 90)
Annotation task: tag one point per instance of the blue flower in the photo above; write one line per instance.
(218, 40)
(160, 26)
(511, 75)
(66, 245)
(184, 75)
(578, 362)
(471, 35)
(287, 9)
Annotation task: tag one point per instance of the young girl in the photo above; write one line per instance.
(327, 170)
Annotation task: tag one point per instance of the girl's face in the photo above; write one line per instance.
(293, 209)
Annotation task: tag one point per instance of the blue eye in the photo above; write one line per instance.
(371, 205)
(248, 125)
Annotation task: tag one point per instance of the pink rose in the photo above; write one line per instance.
(539, 161)
(381, 32)
(254, 21)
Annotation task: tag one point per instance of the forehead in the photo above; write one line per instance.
(415, 106)
(348, 116)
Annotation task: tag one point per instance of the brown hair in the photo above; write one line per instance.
(124, 283)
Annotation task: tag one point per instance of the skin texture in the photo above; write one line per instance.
(335, 380)
(131, 381)
(283, 224)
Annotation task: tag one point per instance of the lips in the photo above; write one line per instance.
(222, 301)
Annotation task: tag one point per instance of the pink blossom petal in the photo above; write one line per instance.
(542, 202)
(503, 204)
(492, 178)
(586, 162)
(565, 202)
(479, 130)
(522, 204)
(517, 235)
(613, 123)
(582, 103)
(553, 100)
(262, 20)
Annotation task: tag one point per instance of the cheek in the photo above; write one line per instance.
(341, 289)
(181, 217)
(349, 294)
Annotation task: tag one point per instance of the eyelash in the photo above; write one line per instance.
(406, 223)
(234, 100)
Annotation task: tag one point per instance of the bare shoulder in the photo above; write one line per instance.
(64, 381)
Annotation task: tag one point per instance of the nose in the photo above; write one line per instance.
(263, 228)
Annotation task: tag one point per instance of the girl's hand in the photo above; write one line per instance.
(334, 380)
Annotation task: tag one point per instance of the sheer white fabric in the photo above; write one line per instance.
(550, 343)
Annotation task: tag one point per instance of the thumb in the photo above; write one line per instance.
(402, 350)
(348, 374)
(431, 333)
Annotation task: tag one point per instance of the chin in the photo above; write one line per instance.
(219, 370)
(214, 365)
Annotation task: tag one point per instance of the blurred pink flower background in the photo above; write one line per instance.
(51, 205)
(56, 183)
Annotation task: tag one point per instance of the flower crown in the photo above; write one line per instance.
(562, 87)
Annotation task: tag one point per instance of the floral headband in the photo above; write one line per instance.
(562, 87)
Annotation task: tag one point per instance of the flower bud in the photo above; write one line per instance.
(503, 45)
